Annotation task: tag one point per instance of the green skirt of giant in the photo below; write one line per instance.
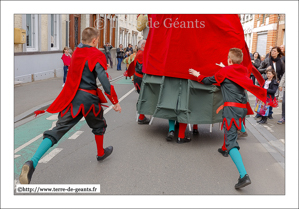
(185, 101)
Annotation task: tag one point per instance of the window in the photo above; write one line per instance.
(125, 40)
(121, 37)
(54, 32)
(67, 33)
(32, 32)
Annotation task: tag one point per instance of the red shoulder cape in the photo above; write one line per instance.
(79, 58)
(131, 68)
(239, 75)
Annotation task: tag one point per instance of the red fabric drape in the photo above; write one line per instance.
(172, 48)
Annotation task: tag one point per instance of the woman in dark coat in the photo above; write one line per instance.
(256, 63)
(275, 61)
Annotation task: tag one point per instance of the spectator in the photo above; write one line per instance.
(66, 58)
(256, 63)
(251, 55)
(282, 88)
(275, 61)
(271, 85)
(107, 49)
(270, 48)
(120, 55)
(263, 58)
(130, 49)
(136, 49)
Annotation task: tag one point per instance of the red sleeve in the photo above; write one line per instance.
(113, 96)
(200, 78)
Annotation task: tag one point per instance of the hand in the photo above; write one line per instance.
(194, 72)
(252, 61)
(280, 88)
(108, 65)
(117, 108)
(278, 81)
(221, 64)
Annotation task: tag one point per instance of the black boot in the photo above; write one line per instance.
(170, 136)
(195, 132)
(224, 153)
(264, 120)
(242, 182)
(144, 121)
(260, 120)
(183, 140)
(107, 152)
(27, 171)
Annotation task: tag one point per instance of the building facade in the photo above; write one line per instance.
(263, 30)
(247, 21)
(47, 34)
(268, 30)
(39, 57)
(127, 27)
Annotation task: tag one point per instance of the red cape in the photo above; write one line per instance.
(239, 75)
(79, 58)
(131, 68)
(171, 49)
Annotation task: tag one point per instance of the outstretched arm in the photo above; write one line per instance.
(205, 80)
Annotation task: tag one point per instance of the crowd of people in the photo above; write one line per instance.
(121, 53)
(272, 68)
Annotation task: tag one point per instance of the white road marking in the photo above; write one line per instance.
(32, 140)
(49, 156)
(53, 117)
(124, 96)
(16, 156)
(76, 134)
(27, 143)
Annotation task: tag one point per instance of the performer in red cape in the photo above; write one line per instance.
(135, 68)
(233, 79)
(79, 98)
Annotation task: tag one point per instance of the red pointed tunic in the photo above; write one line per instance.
(232, 80)
(83, 61)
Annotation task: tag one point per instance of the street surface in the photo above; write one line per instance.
(143, 162)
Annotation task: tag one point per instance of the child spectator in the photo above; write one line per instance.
(66, 58)
(265, 109)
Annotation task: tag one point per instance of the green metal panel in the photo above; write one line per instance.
(177, 99)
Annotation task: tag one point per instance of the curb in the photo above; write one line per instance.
(273, 145)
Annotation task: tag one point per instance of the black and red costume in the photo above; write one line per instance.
(233, 80)
(135, 68)
(80, 96)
